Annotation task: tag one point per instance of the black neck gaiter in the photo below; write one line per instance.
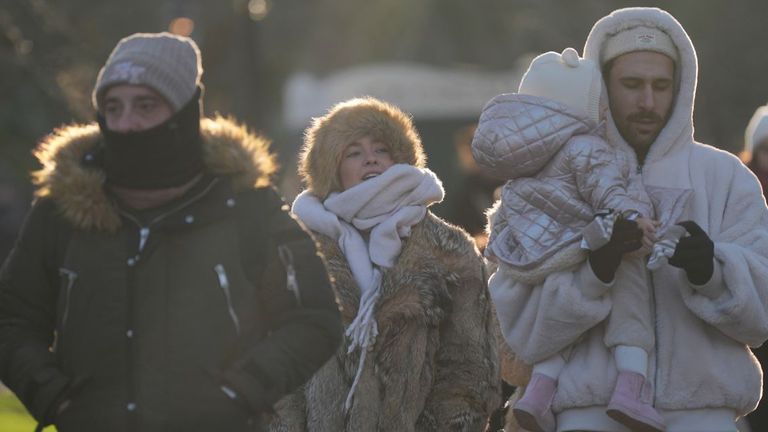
(167, 155)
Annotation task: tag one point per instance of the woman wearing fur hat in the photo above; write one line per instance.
(149, 288)
(419, 352)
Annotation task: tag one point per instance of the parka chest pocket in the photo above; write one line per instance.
(291, 273)
(68, 279)
(226, 291)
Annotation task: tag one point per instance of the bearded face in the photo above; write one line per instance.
(640, 93)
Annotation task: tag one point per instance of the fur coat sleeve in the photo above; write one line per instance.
(467, 379)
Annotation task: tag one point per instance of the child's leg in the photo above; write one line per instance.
(533, 411)
(631, 359)
(630, 320)
(630, 333)
(550, 367)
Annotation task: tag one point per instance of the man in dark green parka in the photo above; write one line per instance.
(159, 283)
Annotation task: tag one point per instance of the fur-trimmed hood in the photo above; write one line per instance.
(230, 150)
(329, 135)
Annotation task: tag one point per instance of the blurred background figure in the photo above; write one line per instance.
(755, 153)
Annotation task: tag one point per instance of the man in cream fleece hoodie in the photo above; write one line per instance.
(710, 302)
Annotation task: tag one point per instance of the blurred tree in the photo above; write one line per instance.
(50, 51)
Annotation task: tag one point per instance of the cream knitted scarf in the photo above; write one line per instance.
(386, 206)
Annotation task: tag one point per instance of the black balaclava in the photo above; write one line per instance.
(167, 155)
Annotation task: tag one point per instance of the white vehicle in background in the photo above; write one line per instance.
(445, 104)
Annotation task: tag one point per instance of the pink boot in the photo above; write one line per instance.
(533, 411)
(631, 406)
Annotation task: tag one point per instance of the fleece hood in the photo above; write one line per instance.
(679, 128)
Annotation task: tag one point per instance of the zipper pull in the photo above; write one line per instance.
(223, 281)
(290, 272)
(143, 236)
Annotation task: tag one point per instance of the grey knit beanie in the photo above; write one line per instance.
(168, 63)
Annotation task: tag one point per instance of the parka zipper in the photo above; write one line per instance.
(290, 272)
(224, 284)
(143, 236)
(144, 232)
(71, 276)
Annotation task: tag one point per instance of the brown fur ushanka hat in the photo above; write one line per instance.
(329, 135)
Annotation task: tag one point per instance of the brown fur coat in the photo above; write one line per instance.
(434, 366)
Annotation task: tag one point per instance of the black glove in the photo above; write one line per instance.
(695, 254)
(626, 237)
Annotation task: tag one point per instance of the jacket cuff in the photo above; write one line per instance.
(249, 389)
(591, 286)
(51, 385)
(714, 287)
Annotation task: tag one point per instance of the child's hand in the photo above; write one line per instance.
(649, 233)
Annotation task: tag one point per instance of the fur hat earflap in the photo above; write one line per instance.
(328, 136)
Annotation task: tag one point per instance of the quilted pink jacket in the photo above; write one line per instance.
(560, 174)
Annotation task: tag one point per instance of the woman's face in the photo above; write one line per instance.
(363, 159)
